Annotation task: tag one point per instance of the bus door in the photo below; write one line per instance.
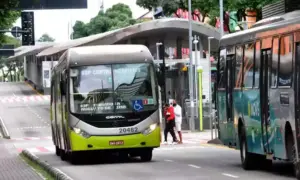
(229, 98)
(297, 92)
(264, 97)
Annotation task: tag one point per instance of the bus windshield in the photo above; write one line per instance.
(112, 88)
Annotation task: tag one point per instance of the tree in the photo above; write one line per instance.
(46, 38)
(7, 16)
(118, 16)
(11, 40)
(208, 8)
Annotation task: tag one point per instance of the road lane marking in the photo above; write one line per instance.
(194, 166)
(229, 175)
(168, 160)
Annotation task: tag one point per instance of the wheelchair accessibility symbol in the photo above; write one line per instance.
(138, 105)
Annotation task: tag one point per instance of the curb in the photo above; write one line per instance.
(3, 129)
(216, 141)
(56, 173)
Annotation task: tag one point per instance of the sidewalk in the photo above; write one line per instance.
(12, 167)
(202, 137)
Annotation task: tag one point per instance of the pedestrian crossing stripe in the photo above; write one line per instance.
(16, 99)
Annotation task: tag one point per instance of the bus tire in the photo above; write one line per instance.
(247, 159)
(292, 153)
(146, 155)
(63, 155)
(57, 151)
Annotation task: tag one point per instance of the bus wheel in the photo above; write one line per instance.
(291, 151)
(247, 158)
(146, 155)
(63, 155)
(57, 151)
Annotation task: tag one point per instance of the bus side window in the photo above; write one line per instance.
(238, 67)
(52, 92)
(248, 65)
(221, 67)
(274, 66)
(257, 64)
(285, 61)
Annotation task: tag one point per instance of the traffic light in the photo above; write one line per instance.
(27, 19)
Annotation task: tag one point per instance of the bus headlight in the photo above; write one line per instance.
(80, 132)
(150, 129)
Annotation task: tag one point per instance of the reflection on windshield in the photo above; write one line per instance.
(110, 88)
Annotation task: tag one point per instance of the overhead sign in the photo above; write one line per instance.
(52, 4)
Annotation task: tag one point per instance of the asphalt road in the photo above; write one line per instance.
(23, 111)
(30, 119)
(198, 162)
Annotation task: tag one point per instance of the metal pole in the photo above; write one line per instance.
(200, 71)
(191, 82)
(12, 31)
(221, 18)
(209, 89)
(195, 70)
(164, 74)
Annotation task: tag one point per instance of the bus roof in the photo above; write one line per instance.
(268, 24)
(106, 54)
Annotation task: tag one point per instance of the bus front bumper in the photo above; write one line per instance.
(80, 143)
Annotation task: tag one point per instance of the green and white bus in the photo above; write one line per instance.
(258, 92)
(105, 98)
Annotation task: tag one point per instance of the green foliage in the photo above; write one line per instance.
(7, 16)
(118, 16)
(208, 8)
(12, 40)
(46, 38)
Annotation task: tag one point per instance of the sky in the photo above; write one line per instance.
(56, 23)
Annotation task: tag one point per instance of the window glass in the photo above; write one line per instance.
(238, 66)
(274, 67)
(248, 65)
(257, 64)
(113, 88)
(285, 61)
(222, 63)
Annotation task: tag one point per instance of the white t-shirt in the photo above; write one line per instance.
(178, 113)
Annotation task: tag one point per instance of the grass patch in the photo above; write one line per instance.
(37, 168)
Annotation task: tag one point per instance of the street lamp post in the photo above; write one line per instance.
(191, 82)
(209, 89)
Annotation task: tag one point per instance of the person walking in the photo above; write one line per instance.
(170, 123)
(178, 119)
